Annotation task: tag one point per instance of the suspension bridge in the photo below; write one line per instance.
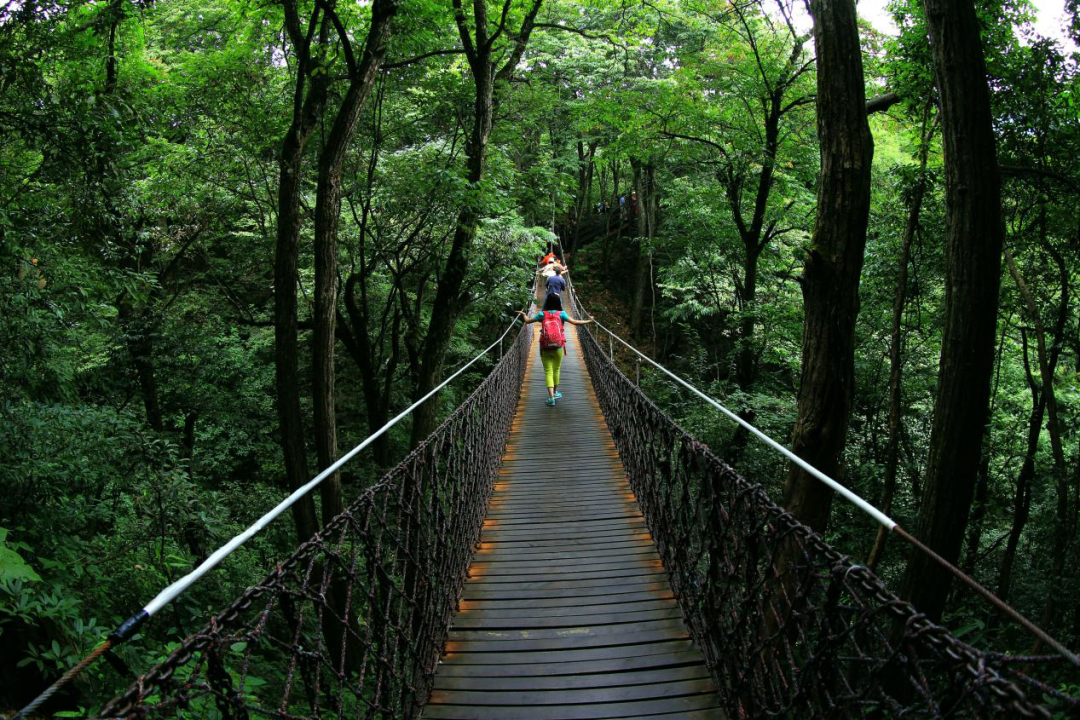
(586, 561)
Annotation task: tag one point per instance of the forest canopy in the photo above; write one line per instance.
(236, 238)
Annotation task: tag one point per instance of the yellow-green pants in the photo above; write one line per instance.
(552, 360)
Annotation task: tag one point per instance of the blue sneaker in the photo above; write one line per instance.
(558, 394)
(551, 402)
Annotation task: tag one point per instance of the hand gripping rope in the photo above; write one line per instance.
(858, 502)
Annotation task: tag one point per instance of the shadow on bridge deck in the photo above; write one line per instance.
(567, 613)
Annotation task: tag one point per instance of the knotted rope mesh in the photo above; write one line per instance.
(353, 623)
(790, 627)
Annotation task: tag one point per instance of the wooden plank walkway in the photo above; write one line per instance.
(568, 614)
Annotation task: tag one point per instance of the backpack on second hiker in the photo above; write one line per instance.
(551, 332)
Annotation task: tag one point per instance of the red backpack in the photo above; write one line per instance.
(551, 331)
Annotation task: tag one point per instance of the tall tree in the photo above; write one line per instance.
(973, 241)
(830, 281)
(896, 332)
(362, 74)
(480, 43)
(648, 218)
(309, 99)
(1043, 399)
(765, 72)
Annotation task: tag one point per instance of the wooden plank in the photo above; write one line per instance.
(570, 543)
(592, 567)
(584, 519)
(478, 621)
(483, 584)
(566, 581)
(575, 655)
(558, 502)
(586, 564)
(593, 530)
(611, 634)
(605, 591)
(573, 696)
(574, 682)
(559, 496)
(592, 711)
(506, 553)
(528, 508)
(567, 613)
(610, 637)
(527, 611)
(585, 555)
(562, 667)
(662, 592)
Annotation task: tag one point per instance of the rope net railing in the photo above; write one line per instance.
(788, 626)
(353, 623)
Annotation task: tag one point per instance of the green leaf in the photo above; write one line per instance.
(12, 566)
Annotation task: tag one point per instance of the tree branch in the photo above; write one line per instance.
(520, 42)
(1019, 170)
(346, 44)
(425, 56)
(463, 32)
(579, 31)
(502, 24)
(716, 146)
(881, 103)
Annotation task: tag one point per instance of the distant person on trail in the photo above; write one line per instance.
(552, 341)
(556, 283)
(549, 268)
(549, 258)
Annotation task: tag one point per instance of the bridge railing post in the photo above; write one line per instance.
(611, 346)
(638, 380)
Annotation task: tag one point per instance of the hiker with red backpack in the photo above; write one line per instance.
(552, 341)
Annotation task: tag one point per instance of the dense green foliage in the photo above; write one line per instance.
(139, 147)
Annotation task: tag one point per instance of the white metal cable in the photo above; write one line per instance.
(859, 502)
(130, 626)
(172, 591)
(862, 504)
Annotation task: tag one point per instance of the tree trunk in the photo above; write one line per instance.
(1073, 522)
(327, 217)
(306, 111)
(830, 279)
(896, 343)
(585, 181)
(746, 359)
(1048, 360)
(613, 213)
(982, 483)
(648, 212)
(1022, 496)
(138, 329)
(352, 331)
(973, 233)
(449, 298)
